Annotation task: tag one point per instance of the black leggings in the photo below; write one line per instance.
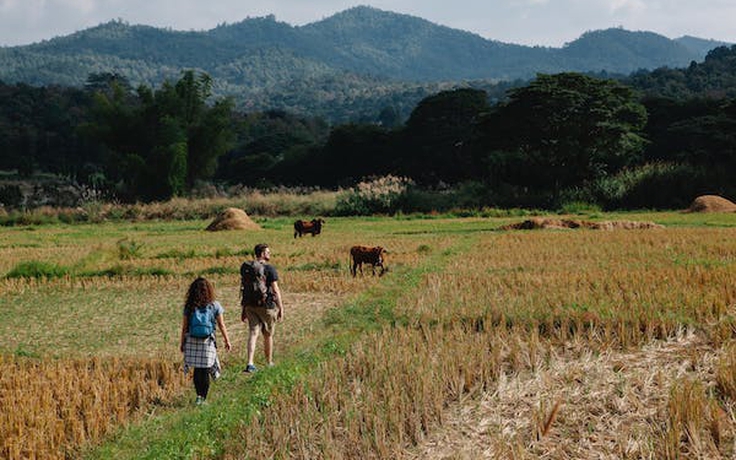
(202, 381)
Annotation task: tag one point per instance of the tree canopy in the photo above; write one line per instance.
(161, 142)
(562, 130)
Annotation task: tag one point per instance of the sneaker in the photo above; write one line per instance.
(249, 369)
(199, 401)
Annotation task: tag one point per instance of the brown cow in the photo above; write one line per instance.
(303, 227)
(366, 255)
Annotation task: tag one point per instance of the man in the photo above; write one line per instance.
(262, 316)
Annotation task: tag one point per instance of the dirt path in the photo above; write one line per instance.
(302, 313)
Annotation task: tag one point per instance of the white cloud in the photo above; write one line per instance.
(628, 6)
(531, 22)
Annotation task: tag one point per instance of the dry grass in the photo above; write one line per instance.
(557, 345)
(613, 405)
(559, 224)
(127, 325)
(712, 203)
(232, 219)
(51, 406)
(517, 345)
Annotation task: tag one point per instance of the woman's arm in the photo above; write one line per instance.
(184, 327)
(223, 329)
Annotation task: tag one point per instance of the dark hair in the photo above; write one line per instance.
(259, 248)
(201, 292)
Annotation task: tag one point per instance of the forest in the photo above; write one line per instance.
(653, 139)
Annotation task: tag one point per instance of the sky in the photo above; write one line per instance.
(526, 22)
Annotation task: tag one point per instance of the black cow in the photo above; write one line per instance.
(302, 227)
(366, 255)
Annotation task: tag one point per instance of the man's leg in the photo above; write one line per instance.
(252, 340)
(268, 348)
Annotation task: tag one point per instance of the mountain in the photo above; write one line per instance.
(360, 54)
(700, 46)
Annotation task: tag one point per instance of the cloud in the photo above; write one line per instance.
(627, 6)
(530, 22)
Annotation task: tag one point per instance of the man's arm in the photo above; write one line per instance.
(277, 297)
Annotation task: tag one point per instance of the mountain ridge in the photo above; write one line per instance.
(361, 52)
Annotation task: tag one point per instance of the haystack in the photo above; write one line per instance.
(711, 203)
(623, 225)
(232, 219)
(541, 222)
(546, 223)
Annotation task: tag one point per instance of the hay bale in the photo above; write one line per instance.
(536, 223)
(232, 219)
(545, 223)
(624, 225)
(711, 203)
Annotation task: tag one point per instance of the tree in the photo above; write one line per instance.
(352, 152)
(162, 142)
(562, 130)
(272, 147)
(439, 134)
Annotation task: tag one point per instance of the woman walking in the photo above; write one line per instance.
(201, 313)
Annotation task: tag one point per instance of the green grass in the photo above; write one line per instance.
(37, 269)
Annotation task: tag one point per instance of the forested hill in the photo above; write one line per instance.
(358, 54)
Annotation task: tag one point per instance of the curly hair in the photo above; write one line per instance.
(200, 293)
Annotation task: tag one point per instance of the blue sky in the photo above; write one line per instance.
(528, 22)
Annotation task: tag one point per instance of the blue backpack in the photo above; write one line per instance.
(202, 322)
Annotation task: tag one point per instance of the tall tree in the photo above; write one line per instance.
(164, 141)
(562, 130)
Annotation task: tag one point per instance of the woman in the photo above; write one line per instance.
(201, 313)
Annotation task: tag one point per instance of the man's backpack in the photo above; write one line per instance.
(202, 321)
(253, 289)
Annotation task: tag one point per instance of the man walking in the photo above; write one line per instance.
(261, 302)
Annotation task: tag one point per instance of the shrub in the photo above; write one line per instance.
(11, 196)
(376, 196)
(653, 185)
(129, 249)
(579, 207)
(37, 269)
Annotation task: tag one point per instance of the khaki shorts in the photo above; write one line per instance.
(262, 318)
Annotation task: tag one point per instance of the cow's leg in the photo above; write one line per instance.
(352, 268)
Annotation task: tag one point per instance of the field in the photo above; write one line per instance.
(477, 343)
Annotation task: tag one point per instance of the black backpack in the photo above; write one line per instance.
(253, 289)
